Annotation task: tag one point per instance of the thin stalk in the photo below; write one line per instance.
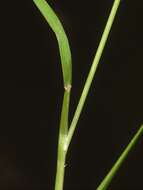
(105, 183)
(59, 182)
(62, 150)
(92, 70)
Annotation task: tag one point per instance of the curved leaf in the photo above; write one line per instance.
(63, 43)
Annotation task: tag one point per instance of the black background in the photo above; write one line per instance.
(32, 89)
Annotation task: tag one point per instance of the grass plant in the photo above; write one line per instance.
(67, 130)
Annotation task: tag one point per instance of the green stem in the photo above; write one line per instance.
(62, 147)
(59, 181)
(105, 183)
(93, 70)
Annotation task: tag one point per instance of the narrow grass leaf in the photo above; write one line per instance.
(106, 181)
(63, 43)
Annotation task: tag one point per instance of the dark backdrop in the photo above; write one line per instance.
(32, 90)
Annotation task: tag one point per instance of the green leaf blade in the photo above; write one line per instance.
(64, 48)
(107, 180)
